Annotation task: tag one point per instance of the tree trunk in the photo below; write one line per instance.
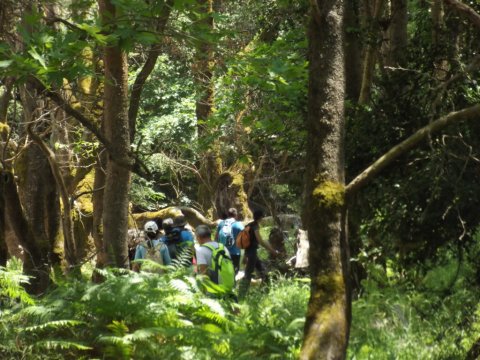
(97, 201)
(328, 319)
(230, 193)
(3, 243)
(370, 58)
(117, 181)
(437, 14)
(210, 161)
(36, 185)
(398, 33)
(353, 64)
(69, 240)
(35, 262)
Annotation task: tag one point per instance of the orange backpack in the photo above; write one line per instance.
(243, 238)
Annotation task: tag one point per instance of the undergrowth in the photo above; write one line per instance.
(149, 316)
(429, 312)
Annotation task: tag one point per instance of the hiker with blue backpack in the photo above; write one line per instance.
(227, 231)
(216, 275)
(179, 240)
(152, 249)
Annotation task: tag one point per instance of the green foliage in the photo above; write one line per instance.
(145, 316)
(12, 281)
(429, 312)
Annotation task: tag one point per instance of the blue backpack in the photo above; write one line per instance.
(225, 234)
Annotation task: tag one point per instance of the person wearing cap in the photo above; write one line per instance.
(151, 244)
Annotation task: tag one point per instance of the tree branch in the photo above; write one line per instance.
(408, 144)
(147, 69)
(466, 10)
(138, 166)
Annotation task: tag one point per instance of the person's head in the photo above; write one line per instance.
(180, 221)
(151, 229)
(167, 225)
(232, 213)
(203, 234)
(159, 222)
(258, 215)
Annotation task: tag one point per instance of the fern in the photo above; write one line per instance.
(53, 325)
(61, 345)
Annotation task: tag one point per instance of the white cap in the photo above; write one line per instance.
(151, 226)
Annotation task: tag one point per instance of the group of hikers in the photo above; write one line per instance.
(216, 259)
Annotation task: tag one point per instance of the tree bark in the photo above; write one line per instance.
(370, 57)
(97, 202)
(353, 64)
(437, 23)
(398, 32)
(210, 160)
(327, 320)
(117, 181)
(3, 243)
(69, 240)
(35, 262)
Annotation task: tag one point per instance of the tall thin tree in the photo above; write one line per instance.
(327, 319)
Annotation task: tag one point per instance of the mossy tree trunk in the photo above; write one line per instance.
(210, 161)
(327, 320)
(117, 180)
(229, 193)
(36, 185)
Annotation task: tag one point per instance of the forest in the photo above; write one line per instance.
(352, 125)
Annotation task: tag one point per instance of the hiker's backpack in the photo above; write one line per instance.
(221, 273)
(225, 234)
(173, 240)
(153, 254)
(244, 238)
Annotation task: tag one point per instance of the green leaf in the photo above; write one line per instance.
(5, 63)
(37, 57)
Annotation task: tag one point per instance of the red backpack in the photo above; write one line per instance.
(243, 238)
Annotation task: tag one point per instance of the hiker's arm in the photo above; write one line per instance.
(202, 269)
(138, 255)
(264, 243)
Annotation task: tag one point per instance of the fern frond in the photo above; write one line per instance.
(144, 334)
(114, 340)
(56, 324)
(62, 345)
(37, 311)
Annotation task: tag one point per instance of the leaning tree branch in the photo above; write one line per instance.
(65, 106)
(465, 10)
(368, 174)
(137, 166)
